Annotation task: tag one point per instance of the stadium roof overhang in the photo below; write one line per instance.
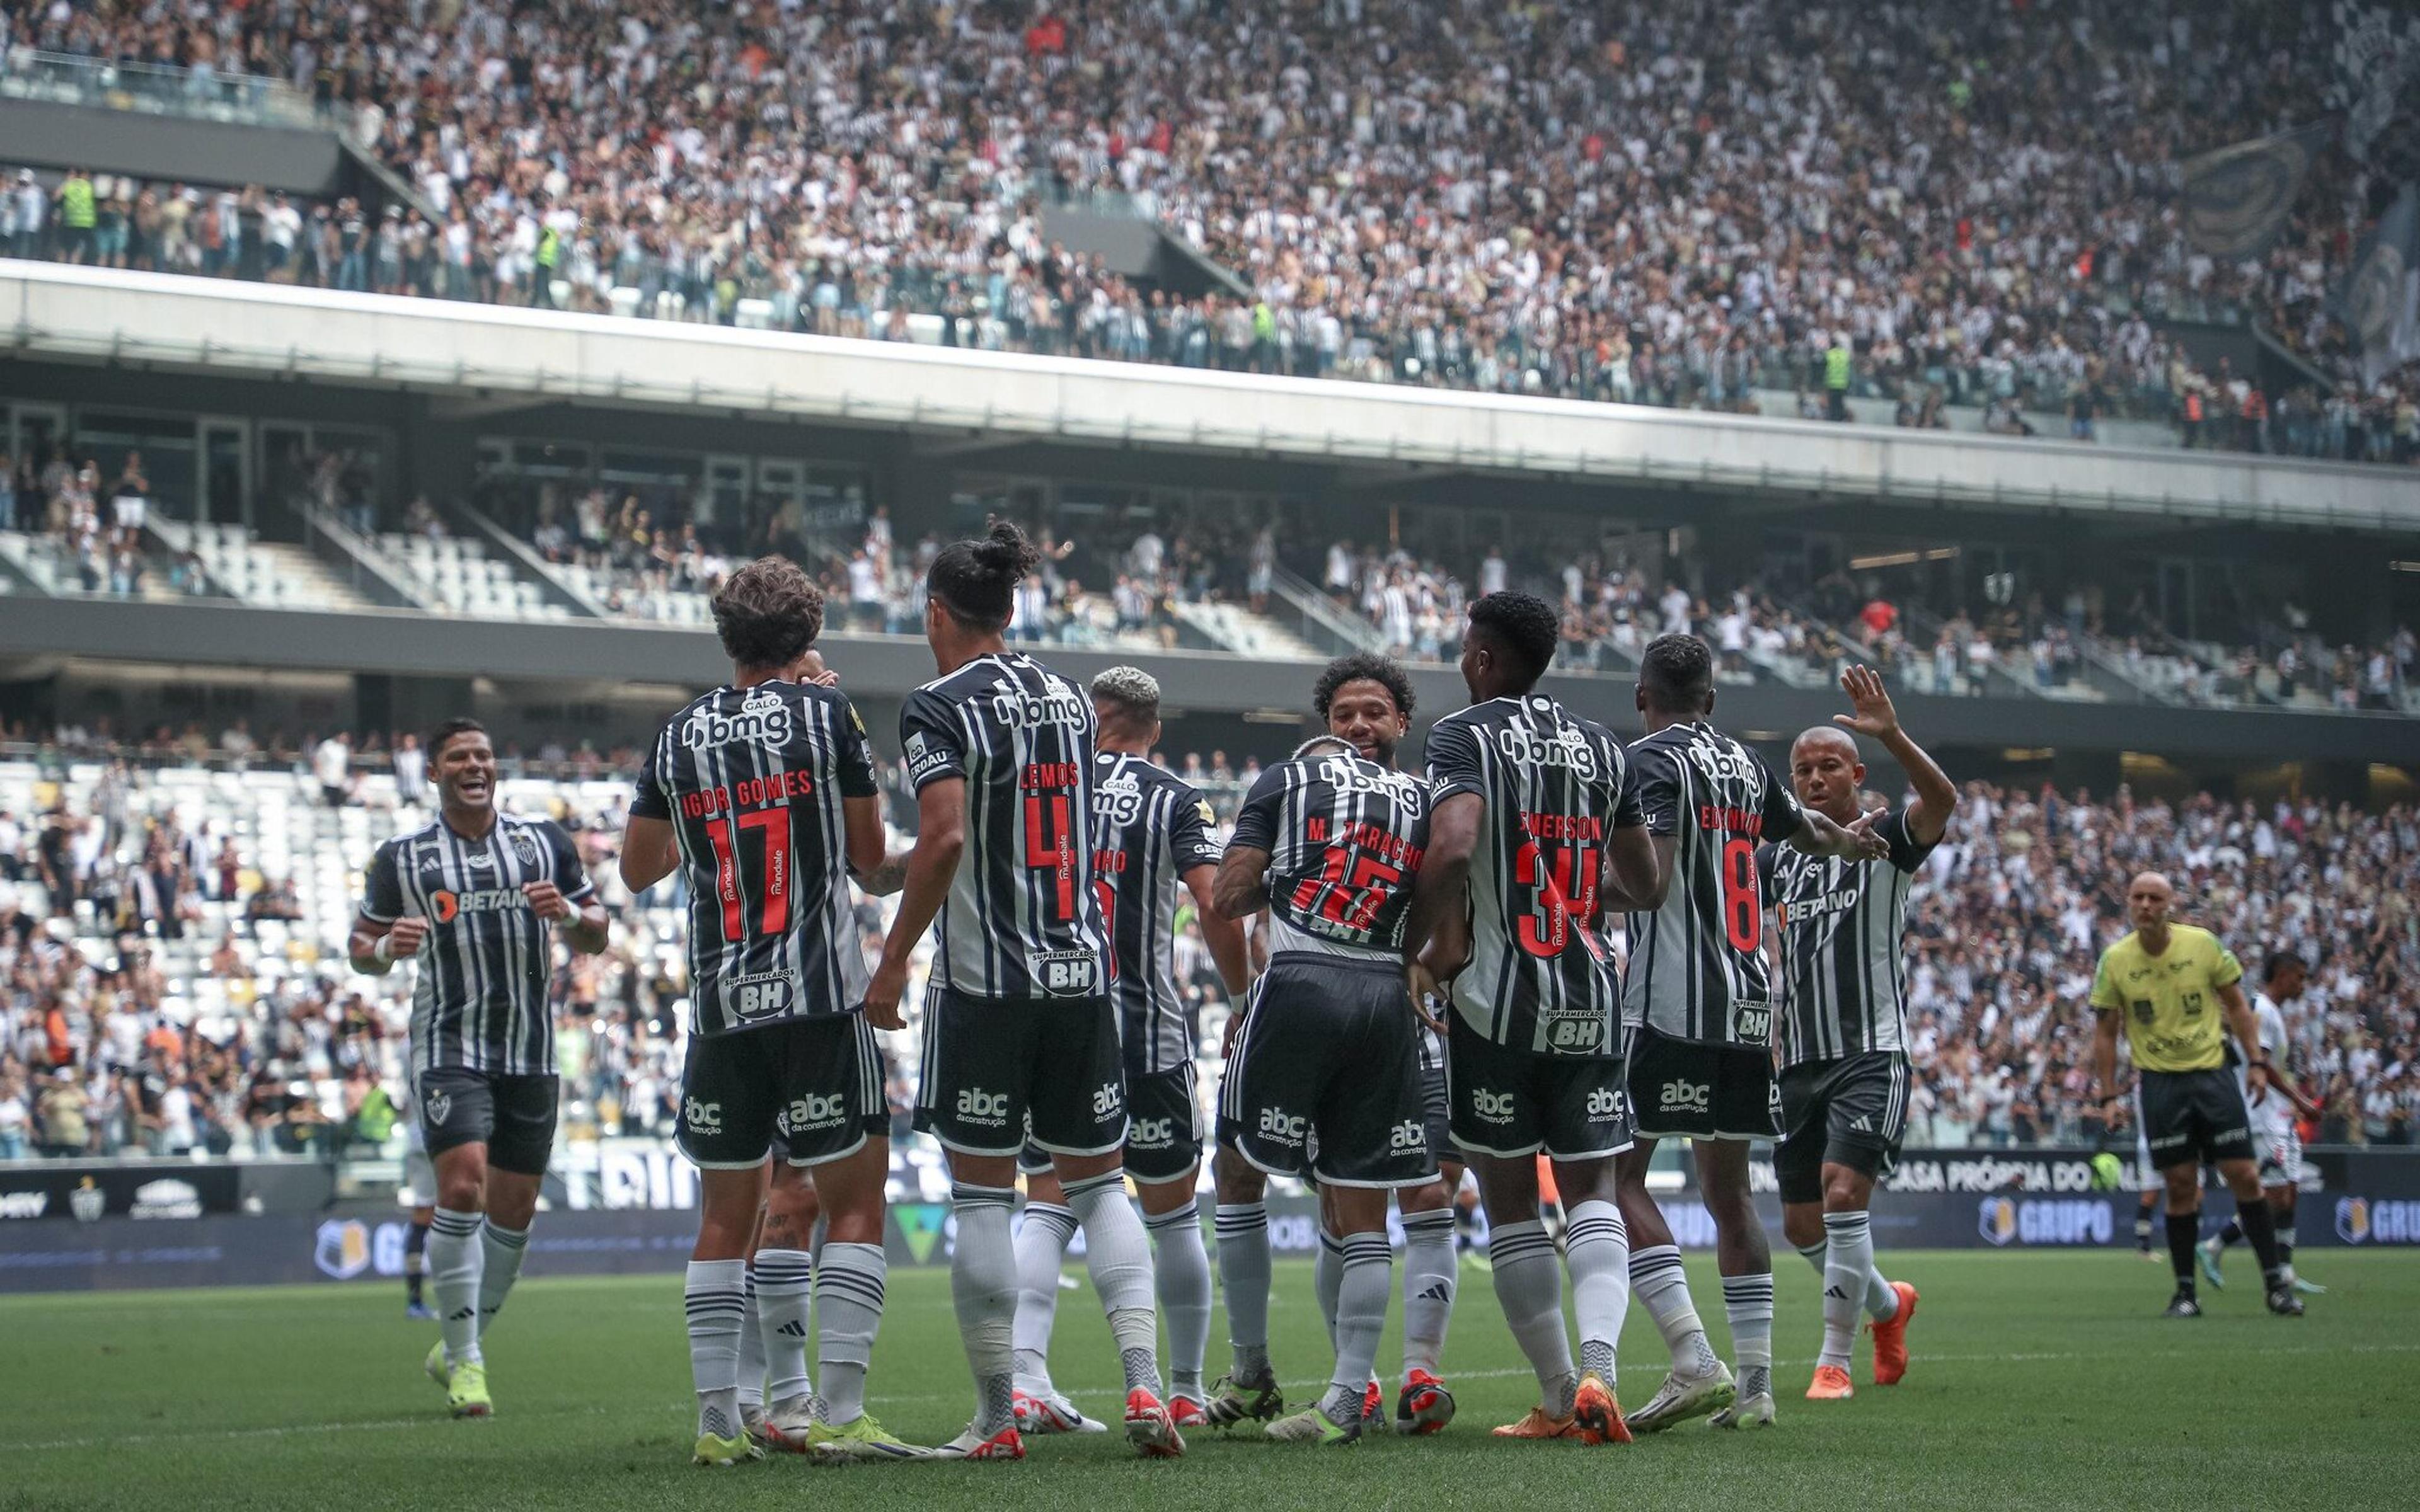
(1005, 407)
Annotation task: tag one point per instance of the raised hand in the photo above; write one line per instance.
(1870, 701)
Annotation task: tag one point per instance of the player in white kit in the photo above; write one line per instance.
(2275, 1103)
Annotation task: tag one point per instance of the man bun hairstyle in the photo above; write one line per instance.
(976, 581)
(1362, 667)
(768, 613)
(1523, 624)
(1677, 673)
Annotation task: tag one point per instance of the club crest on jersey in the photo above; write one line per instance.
(1064, 973)
(436, 1105)
(762, 718)
(1568, 747)
(525, 846)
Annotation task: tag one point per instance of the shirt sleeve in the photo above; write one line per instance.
(1256, 823)
(649, 800)
(1194, 824)
(1783, 817)
(929, 731)
(570, 874)
(1907, 853)
(382, 887)
(1453, 757)
(2225, 971)
(855, 756)
(2105, 986)
(1655, 784)
(1768, 863)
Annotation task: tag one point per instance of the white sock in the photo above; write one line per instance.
(1182, 1265)
(1118, 1254)
(1662, 1288)
(1881, 1302)
(1243, 1230)
(1596, 1247)
(1427, 1286)
(1748, 1301)
(1362, 1284)
(1042, 1236)
(1327, 1278)
(1530, 1287)
(848, 1309)
(716, 1294)
(785, 1279)
(982, 1288)
(1815, 1254)
(455, 1257)
(1848, 1259)
(752, 1345)
(500, 1266)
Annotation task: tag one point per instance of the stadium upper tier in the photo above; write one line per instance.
(1686, 204)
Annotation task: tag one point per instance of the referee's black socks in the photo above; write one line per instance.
(2184, 1232)
(2260, 1228)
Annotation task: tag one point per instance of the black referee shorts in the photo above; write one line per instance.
(1847, 1112)
(512, 1115)
(1681, 1088)
(2189, 1117)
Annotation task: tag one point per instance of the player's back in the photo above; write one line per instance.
(1345, 838)
(1697, 967)
(753, 781)
(1552, 788)
(1022, 919)
(1150, 828)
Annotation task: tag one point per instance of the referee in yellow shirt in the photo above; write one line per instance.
(2164, 986)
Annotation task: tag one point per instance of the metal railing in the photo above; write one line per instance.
(156, 90)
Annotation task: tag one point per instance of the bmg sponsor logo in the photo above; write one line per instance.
(2362, 1221)
(2043, 1221)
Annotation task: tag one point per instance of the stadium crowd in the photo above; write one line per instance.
(164, 989)
(1676, 204)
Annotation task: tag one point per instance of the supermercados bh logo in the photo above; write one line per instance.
(2361, 1221)
(762, 718)
(2043, 1221)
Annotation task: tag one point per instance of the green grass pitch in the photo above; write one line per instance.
(2040, 1380)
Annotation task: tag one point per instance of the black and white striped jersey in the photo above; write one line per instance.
(1552, 788)
(1149, 829)
(1022, 919)
(1344, 838)
(1697, 964)
(752, 781)
(479, 991)
(1843, 971)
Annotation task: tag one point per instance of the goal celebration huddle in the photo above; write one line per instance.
(1430, 993)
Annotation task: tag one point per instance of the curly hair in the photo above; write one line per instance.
(1522, 623)
(1362, 667)
(768, 613)
(1677, 673)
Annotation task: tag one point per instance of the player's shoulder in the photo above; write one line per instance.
(2124, 947)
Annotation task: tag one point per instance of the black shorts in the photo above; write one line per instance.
(1515, 1102)
(1847, 1112)
(1000, 1070)
(1325, 1082)
(2188, 1117)
(1163, 1130)
(512, 1115)
(815, 1084)
(1437, 1098)
(1680, 1088)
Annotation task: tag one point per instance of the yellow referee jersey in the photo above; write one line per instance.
(2168, 1003)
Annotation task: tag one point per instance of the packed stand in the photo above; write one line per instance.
(70, 532)
(1650, 204)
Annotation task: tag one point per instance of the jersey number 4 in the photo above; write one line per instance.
(773, 911)
(1565, 896)
(1051, 846)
